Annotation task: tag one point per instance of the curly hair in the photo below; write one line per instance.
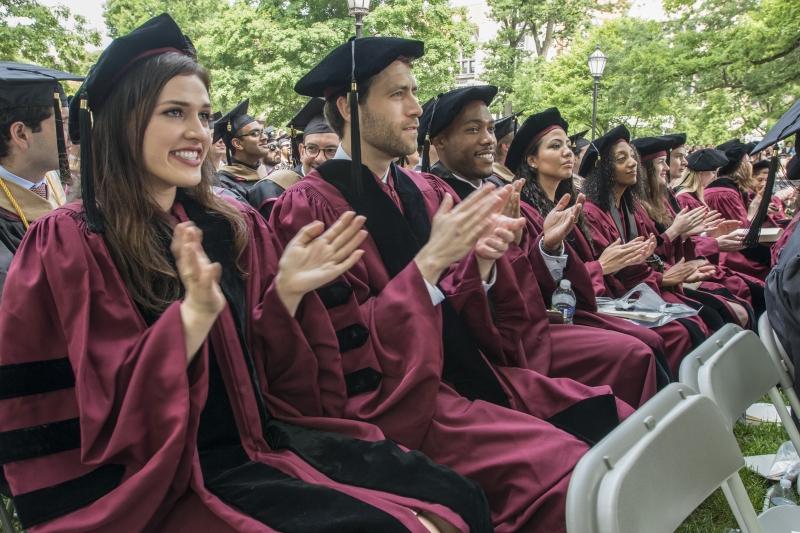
(599, 184)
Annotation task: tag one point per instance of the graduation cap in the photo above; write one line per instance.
(735, 151)
(578, 140)
(230, 124)
(158, 35)
(789, 123)
(310, 119)
(706, 159)
(506, 125)
(601, 146)
(213, 120)
(23, 86)
(444, 110)
(650, 148)
(348, 65)
(533, 129)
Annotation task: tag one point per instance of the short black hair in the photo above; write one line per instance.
(32, 117)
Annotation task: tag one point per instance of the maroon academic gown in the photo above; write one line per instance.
(584, 351)
(676, 337)
(783, 239)
(709, 248)
(389, 363)
(723, 195)
(109, 411)
(723, 286)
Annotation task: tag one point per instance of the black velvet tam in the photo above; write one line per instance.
(650, 146)
(156, 36)
(533, 126)
(707, 159)
(601, 146)
(448, 105)
(735, 150)
(505, 125)
(370, 55)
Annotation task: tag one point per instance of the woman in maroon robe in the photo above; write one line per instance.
(612, 214)
(728, 194)
(424, 352)
(722, 243)
(144, 407)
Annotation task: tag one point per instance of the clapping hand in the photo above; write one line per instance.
(313, 257)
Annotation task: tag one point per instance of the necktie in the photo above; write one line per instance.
(40, 189)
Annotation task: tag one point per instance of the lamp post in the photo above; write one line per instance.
(597, 63)
(357, 9)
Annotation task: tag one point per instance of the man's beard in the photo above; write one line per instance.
(383, 136)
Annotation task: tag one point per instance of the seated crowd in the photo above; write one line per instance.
(220, 338)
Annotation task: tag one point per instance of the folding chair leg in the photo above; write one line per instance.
(794, 401)
(739, 502)
(786, 418)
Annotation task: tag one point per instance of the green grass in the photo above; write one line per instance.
(714, 516)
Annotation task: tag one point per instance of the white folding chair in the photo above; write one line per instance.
(691, 363)
(587, 475)
(738, 375)
(654, 469)
(780, 359)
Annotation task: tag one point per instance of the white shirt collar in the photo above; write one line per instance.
(22, 182)
(341, 154)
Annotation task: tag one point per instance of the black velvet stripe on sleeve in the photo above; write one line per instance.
(362, 380)
(38, 441)
(352, 337)
(37, 377)
(335, 294)
(383, 466)
(52, 502)
(590, 420)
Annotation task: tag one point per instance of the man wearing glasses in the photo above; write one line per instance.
(246, 143)
(319, 143)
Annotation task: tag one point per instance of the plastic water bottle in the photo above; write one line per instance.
(782, 493)
(564, 300)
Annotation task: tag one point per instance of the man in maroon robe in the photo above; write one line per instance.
(422, 351)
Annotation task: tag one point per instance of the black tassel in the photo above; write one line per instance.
(355, 130)
(426, 145)
(751, 239)
(228, 154)
(426, 155)
(94, 218)
(63, 163)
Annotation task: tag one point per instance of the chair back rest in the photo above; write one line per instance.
(588, 473)
(738, 375)
(696, 358)
(684, 457)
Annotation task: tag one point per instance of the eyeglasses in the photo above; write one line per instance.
(255, 134)
(272, 147)
(314, 150)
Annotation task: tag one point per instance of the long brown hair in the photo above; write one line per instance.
(138, 232)
(654, 194)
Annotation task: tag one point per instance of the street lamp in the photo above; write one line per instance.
(357, 9)
(597, 63)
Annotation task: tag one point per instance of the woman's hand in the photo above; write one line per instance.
(559, 222)
(313, 258)
(617, 256)
(203, 300)
(677, 274)
(687, 222)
